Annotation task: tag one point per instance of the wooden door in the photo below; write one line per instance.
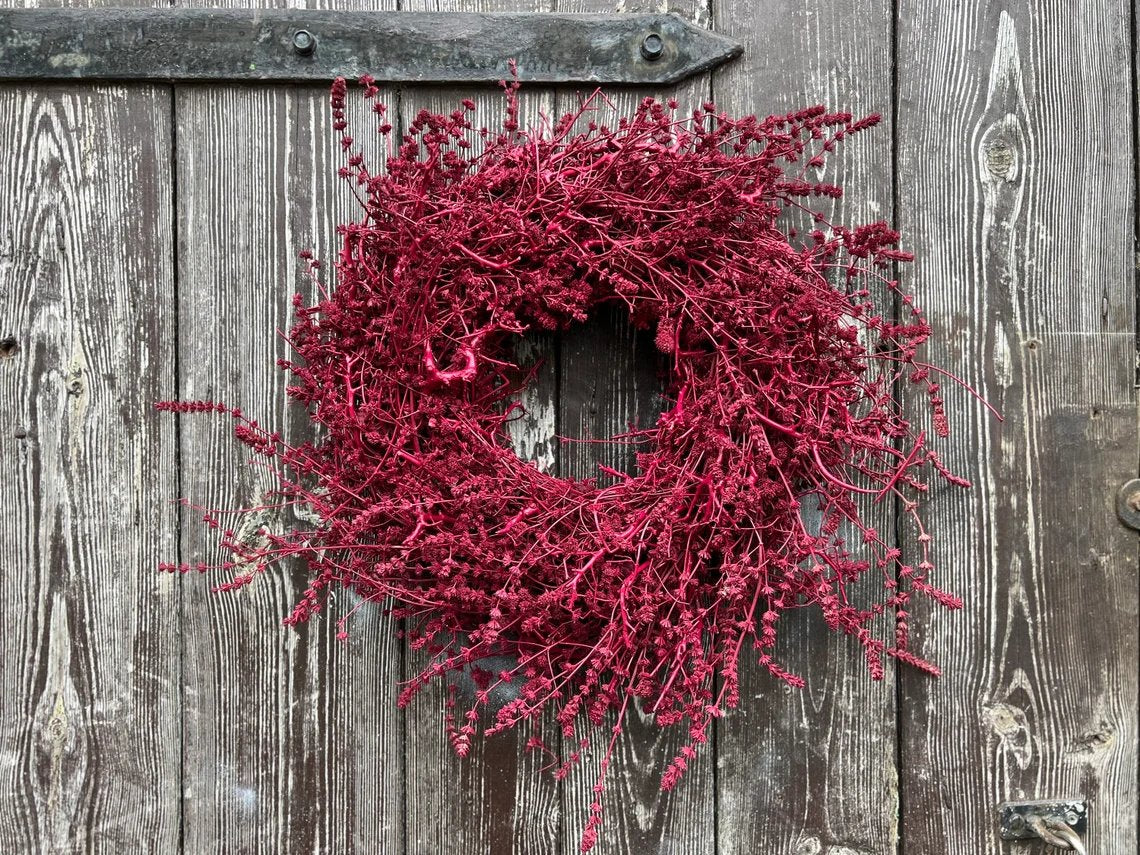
(148, 245)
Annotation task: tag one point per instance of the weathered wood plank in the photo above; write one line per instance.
(1024, 234)
(500, 798)
(610, 380)
(292, 738)
(89, 656)
(610, 377)
(813, 770)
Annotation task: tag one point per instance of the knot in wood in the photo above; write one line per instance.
(1001, 160)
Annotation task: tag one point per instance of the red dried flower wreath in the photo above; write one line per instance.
(781, 382)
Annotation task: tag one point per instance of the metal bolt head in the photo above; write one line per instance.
(304, 43)
(1128, 504)
(652, 47)
(1071, 817)
(1016, 822)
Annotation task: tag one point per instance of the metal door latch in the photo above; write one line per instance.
(1058, 822)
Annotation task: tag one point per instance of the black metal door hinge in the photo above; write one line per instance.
(297, 44)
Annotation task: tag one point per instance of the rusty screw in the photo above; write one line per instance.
(304, 43)
(652, 47)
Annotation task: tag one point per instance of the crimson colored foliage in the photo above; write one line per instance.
(782, 374)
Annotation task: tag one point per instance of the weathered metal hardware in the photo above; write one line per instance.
(652, 46)
(304, 43)
(1058, 822)
(298, 44)
(1128, 503)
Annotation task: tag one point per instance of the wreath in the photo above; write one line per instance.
(784, 363)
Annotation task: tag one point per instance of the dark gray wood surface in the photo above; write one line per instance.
(1016, 187)
(814, 770)
(148, 248)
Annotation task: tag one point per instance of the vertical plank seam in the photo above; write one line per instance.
(177, 392)
(716, 679)
(896, 503)
(560, 785)
(1135, 105)
(401, 624)
(398, 129)
(1132, 36)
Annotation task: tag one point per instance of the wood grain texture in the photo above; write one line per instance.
(1015, 186)
(813, 770)
(611, 377)
(89, 655)
(611, 380)
(293, 742)
(1016, 189)
(500, 798)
